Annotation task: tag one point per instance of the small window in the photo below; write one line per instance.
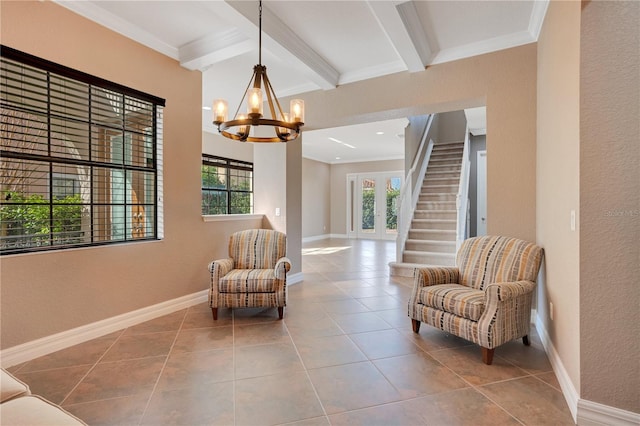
(227, 186)
(80, 158)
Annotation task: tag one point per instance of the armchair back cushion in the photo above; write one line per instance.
(257, 248)
(492, 259)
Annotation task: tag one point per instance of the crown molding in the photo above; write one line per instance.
(536, 20)
(372, 72)
(119, 25)
(485, 46)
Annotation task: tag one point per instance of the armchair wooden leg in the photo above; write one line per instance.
(281, 311)
(487, 355)
(415, 324)
(525, 340)
(214, 311)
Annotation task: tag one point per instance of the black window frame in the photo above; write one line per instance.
(149, 131)
(229, 165)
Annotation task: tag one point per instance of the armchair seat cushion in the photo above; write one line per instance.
(248, 281)
(457, 299)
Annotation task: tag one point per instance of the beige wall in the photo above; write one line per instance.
(451, 127)
(316, 198)
(339, 187)
(610, 204)
(217, 145)
(46, 293)
(504, 81)
(558, 179)
(278, 185)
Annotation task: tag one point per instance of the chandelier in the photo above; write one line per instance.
(285, 126)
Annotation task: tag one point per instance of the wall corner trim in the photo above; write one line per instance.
(46, 345)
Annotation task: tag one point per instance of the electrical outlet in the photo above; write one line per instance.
(277, 211)
(551, 310)
(573, 220)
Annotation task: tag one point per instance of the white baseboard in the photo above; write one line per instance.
(46, 345)
(594, 414)
(294, 278)
(338, 236)
(584, 412)
(566, 385)
(315, 238)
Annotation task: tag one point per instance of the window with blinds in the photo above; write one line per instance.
(227, 186)
(80, 158)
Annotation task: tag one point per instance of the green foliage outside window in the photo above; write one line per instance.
(27, 221)
(226, 190)
(368, 209)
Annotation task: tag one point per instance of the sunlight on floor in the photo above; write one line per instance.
(322, 250)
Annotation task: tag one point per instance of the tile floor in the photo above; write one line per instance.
(344, 355)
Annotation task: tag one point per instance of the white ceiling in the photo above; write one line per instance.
(317, 44)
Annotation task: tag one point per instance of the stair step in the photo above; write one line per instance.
(402, 269)
(444, 167)
(429, 258)
(436, 205)
(433, 180)
(445, 161)
(430, 189)
(431, 246)
(449, 224)
(432, 234)
(434, 196)
(442, 174)
(445, 156)
(435, 214)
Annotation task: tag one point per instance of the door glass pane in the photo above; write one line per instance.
(393, 192)
(368, 205)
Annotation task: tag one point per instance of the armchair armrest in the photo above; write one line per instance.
(220, 267)
(283, 265)
(424, 277)
(508, 290)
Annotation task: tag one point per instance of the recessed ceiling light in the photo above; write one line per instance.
(337, 158)
(379, 133)
(206, 108)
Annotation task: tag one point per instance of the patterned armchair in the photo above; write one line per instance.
(254, 275)
(486, 299)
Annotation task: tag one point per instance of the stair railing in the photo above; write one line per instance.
(462, 197)
(410, 191)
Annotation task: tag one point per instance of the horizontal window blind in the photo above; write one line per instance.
(79, 158)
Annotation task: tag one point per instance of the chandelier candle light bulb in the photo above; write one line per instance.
(254, 103)
(296, 106)
(220, 110)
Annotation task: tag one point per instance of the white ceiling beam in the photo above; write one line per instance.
(213, 48)
(279, 39)
(402, 26)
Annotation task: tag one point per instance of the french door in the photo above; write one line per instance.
(372, 205)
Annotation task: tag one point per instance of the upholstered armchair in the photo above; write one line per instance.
(486, 299)
(254, 274)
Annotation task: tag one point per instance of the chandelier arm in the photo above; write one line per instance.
(270, 89)
(245, 93)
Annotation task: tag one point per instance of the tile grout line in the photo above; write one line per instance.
(92, 367)
(306, 372)
(155, 385)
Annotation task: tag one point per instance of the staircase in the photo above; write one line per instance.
(432, 236)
